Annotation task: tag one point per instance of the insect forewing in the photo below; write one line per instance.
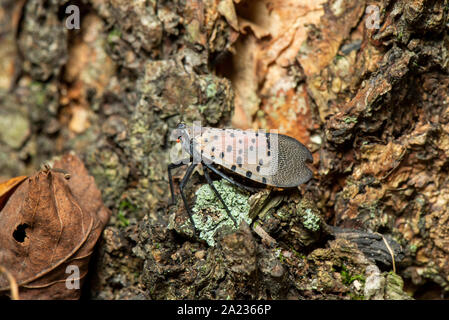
(253, 154)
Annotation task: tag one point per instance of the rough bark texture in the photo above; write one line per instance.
(371, 104)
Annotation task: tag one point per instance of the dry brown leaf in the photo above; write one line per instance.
(48, 224)
(14, 289)
(8, 187)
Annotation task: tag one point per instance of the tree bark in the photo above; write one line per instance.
(363, 85)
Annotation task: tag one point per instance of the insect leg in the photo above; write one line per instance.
(181, 191)
(224, 176)
(209, 181)
(172, 166)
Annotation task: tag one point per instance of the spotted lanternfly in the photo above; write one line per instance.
(271, 159)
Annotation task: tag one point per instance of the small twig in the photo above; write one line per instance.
(264, 235)
(13, 287)
(391, 252)
(47, 168)
(66, 174)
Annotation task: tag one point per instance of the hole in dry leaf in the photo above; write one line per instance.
(19, 234)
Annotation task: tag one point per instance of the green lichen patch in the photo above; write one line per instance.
(347, 277)
(209, 214)
(394, 287)
(311, 221)
(310, 216)
(348, 120)
(125, 206)
(114, 35)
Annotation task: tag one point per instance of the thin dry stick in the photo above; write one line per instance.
(47, 168)
(264, 235)
(391, 252)
(12, 283)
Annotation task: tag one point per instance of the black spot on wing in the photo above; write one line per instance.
(249, 174)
